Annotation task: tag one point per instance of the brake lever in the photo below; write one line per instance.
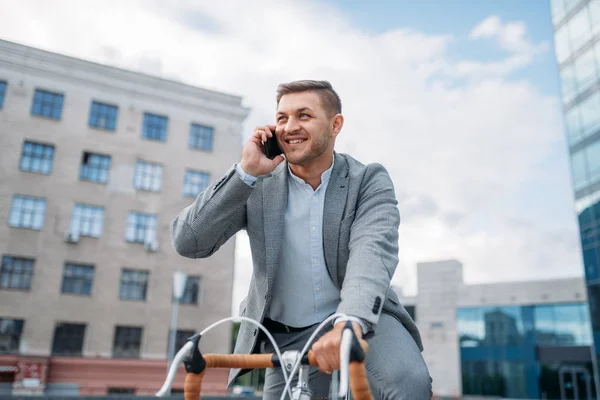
(192, 359)
(345, 347)
(350, 351)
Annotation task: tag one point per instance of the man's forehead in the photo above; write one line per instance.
(295, 101)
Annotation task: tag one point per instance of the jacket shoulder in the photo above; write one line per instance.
(359, 169)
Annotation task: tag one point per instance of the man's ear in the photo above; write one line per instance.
(337, 122)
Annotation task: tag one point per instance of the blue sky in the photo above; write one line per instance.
(458, 17)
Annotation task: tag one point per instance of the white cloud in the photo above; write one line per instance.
(511, 36)
(464, 143)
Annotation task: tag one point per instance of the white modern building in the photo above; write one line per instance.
(511, 339)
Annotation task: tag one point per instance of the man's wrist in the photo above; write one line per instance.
(247, 178)
(363, 325)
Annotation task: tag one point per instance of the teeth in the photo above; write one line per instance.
(296, 141)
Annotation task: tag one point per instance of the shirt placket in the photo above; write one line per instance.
(315, 250)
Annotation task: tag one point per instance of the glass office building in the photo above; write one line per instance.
(526, 351)
(577, 47)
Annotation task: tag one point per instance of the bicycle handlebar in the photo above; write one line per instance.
(197, 365)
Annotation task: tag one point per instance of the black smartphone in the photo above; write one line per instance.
(272, 147)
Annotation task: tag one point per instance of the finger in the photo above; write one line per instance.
(260, 133)
(272, 127)
(332, 359)
(278, 159)
(323, 364)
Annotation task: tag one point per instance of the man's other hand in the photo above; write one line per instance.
(327, 348)
(254, 161)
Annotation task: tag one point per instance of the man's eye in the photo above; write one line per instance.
(303, 115)
(280, 118)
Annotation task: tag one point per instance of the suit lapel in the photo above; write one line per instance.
(333, 210)
(275, 195)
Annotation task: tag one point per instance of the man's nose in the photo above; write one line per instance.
(292, 125)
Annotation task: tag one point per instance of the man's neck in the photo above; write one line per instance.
(312, 172)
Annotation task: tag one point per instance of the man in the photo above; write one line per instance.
(323, 231)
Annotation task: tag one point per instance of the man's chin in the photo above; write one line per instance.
(296, 159)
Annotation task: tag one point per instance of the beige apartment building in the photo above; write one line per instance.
(95, 162)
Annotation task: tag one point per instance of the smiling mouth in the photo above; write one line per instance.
(295, 141)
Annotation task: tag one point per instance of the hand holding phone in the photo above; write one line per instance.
(272, 147)
(261, 153)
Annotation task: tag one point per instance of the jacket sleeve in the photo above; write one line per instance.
(373, 247)
(216, 215)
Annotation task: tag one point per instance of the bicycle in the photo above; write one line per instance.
(352, 368)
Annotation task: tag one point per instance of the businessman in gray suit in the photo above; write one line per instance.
(323, 231)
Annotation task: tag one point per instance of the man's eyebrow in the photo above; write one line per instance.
(298, 110)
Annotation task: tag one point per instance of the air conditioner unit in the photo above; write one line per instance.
(72, 237)
(151, 246)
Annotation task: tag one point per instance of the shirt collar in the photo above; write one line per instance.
(324, 176)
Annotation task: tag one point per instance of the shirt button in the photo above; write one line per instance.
(314, 260)
(314, 228)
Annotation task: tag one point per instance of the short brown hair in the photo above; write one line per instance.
(329, 98)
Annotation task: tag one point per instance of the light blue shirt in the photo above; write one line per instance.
(303, 292)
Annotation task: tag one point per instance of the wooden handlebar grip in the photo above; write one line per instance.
(192, 386)
(359, 383)
(243, 361)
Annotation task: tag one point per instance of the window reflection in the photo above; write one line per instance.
(579, 29)
(490, 326)
(570, 5)
(573, 125)
(594, 301)
(594, 11)
(561, 44)
(593, 162)
(587, 73)
(557, 7)
(569, 82)
(562, 325)
(590, 114)
(578, 170)
(555, 325)
(494, 378)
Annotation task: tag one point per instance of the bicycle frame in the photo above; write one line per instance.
(352, 357)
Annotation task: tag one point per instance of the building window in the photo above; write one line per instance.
(498, 378)
(133, 285)
(10, 335)
(141, 228)
(37, 157)
(103, 116)
(127, 342)
(78, 279)
(68, 339)
(195, 182)
(47, 104)
(87, 220)
(2, 93)
(148, 176)
(557, 9)
(192, 289)
(94, 167)
(16, 273)
(580, 29)
(27, 212)
(562, 325)
(181, 337)
(155, 127)
(201, 137)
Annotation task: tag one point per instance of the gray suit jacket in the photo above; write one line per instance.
(360, 238)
